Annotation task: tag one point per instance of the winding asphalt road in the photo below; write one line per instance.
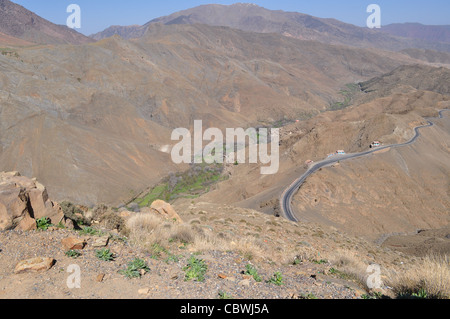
(288, 194)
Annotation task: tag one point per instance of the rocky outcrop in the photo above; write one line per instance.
(23, 201)
(165, 210)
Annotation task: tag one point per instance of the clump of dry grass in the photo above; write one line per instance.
(350, 266)
(146, 230)
(299, 254)
(429, 278)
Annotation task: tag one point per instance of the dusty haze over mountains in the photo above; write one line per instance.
(92, 118)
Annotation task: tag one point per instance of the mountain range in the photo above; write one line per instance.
(93, 121)
(253, 18)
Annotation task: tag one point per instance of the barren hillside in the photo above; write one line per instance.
(29, 28)
(253, 18)
(92, 121)
(440, 33)
(401, 190)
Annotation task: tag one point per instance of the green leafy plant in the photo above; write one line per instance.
(308, 296)
(224, 295)
(172, 258)
(104, 254)
(157, 250)
(135, 268)
(73, 254)
(373, 295)
(251, 271)
(60, 225)
(277, 279)
(91, 231)
(297, 261)
(43, 223)
(333, 271)
(195, 269)
(416, 294)
(421, 294)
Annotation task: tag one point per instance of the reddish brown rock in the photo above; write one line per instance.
(72, 243)
(26, 224)
(37, 264)
(23, 201)
(13, 205)
(100, 277)
(99, 242)
(165, 210)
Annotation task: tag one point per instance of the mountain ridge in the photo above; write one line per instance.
(24, 25)
(176, 73)
(254, 18)
(438, 33)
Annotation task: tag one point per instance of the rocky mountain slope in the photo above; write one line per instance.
(387, 110)
(25, 27)
(438, 33)
(213, 252)
(93, 122)
(428, 55)
(253, 18)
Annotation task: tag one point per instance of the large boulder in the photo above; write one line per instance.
(165, 210)
(23, 201)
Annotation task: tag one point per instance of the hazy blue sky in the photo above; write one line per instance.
(96, 15)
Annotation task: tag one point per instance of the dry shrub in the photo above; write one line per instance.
(208, 242)
(183, 234)
(299, 254)
(431, 277)
(111, 220)
(251, 248)
(351, 266)
(145, 230)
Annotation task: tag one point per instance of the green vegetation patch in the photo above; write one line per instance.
(224, 295)
(251, 271)
(135, 268)
(348, 93)
(104, 254)
(195, 269)
(73, 254)
(43, 223)
(190, 184)
(91, 231)
(276, 279)
(9, 52)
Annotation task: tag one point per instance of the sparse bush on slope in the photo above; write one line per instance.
(429, 279)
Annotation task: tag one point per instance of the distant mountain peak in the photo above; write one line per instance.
(253, 18)
(243, 4)
(20, 23)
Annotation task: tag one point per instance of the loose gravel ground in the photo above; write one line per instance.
(165, 280)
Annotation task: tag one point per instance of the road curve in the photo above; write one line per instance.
(288, 194)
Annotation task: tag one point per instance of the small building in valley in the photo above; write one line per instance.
(375, 144)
